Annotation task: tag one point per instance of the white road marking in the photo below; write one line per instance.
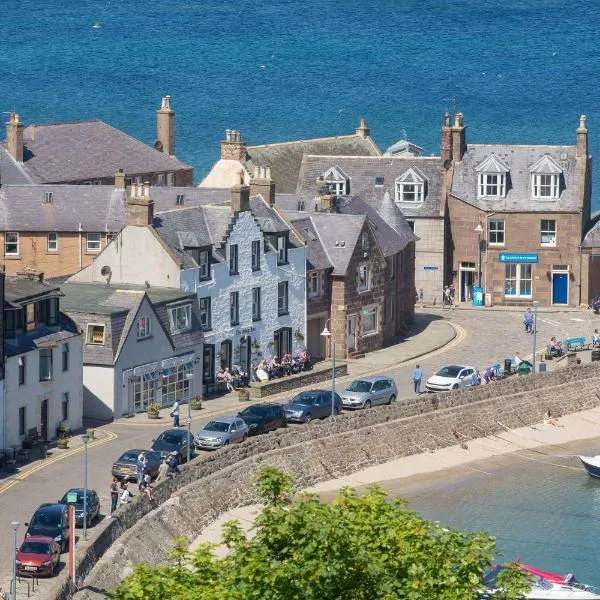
(550, 322)
(575, 319)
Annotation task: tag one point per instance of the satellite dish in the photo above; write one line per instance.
(106, 271)
(158, 145)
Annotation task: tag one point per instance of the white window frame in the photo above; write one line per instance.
(93, 245)
(174, 311)
(539, 184)
(48, 374)
(496, 231)
(205, 316)
(283, 303)
(89, 331)
(518, 280)
(175, 385)
(410, 191)
(547, 232)
(492, 185)
(369, 312)
(52, 244)
(336, 188)
(143, 327)
(14, 240)
(256, 244)
(204, 264)
(363, 282)
(234, 257)
(282, 250)
(256, 304)
(314, 284)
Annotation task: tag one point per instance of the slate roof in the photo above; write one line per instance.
(520, 160)
(316, 256)
(285, 158)
(592, 237)
(42, 336)
(363, 171)
(18, 290)
(80, 150)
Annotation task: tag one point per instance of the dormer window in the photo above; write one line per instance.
(179, 200)
(204, 264)
(545, 178)
(282, 250)
(336, 182)
(410, 186)
(180, 318)
(492, 177)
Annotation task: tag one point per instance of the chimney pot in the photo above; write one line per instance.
(232, 147)
(14, 137)
(262, 184)
(362, 130)
(582, 137)
(240, 198)
(140, 207)
(165, 126)
(120, 179)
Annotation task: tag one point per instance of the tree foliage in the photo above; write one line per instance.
(358, 547)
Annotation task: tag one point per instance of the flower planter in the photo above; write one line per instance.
(196, 405)
(152, 415)
(243, 395)
(62, 443)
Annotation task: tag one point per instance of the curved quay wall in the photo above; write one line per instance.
(216, 483)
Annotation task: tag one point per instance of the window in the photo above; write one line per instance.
(256, 255)
(492, 184)
(313, 284)
(545, 187)
(46, 371)
(282, 298)
(548, 233)
(180, 318)
(256, 310)
(144, 388)
(30, 317)
(233, 259)
(205, 317)
(48, 197)
(208, 363)
(180, 199)
(409, 192)
(225, 354)
(65, 406)
(336, 182)
(11, 243)
(22, 421)
(95, 334)
(51, 311)
(517, 280)
(65, 357)
(143, 328)
(282, 342)
(9, 323)
(175, 384)
(93, 242)
(496, 233)
(234, 308)
(363, 278)
(364, 241)
(300, 206)
(204, 264)
(282, 250)
(52, 241)
(379, 181)
(22, 369)
(391, 265)
(411, 224)
(369, 320)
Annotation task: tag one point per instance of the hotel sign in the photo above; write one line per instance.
(512, 257)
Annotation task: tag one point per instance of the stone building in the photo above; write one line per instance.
(90, 152)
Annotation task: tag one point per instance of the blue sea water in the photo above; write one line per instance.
(520, 71)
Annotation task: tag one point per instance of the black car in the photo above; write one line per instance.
(125, 467)
(92, 506)
(174, 440)
(51, 520)
(263, 417)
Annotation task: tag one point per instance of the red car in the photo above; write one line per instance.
(38, 555)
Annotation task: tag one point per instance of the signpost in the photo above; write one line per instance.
(71, 500)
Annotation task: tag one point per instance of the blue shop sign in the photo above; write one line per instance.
(511, 257)
(430, 268)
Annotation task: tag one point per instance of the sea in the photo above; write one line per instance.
(521, 72)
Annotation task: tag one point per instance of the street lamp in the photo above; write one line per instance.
(15, 526)
(535, 307)
(190, 377)
(327, 333)
(479, 231)
(85, 439)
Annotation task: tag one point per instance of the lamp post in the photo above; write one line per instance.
(85, 439)
(479, 231)
(535, 307)
(190, 377)
(15, 526)
(327, 333)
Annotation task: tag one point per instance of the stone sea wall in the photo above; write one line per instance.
(320, 451)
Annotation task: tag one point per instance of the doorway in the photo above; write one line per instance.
(246, 354)
(44, 421)
(351, 333)
(560, 288)
(467, 279)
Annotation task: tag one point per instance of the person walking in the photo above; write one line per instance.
(163, 470)
(417, 376)
(140, 465)
(528, 320)
(175, 413)
(173, 463)
(114, 496)
(125, 493)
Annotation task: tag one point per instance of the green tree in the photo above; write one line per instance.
(358, 547)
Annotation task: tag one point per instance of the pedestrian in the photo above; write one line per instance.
(173, 463)
(114, 496)
(147, 486)
(140, 465)
(417, 376)
(596, 338)
(175, 413)
(528, 320)
(163, 470)
(125, 493)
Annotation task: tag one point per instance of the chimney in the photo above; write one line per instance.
(362, 130)
(240, 198)
(165, 127)
(262, 184)
(140, 208)
(582, 137)
(14, 137)
(446, 152)
(458, 138)
(232, 147)
(120, 179)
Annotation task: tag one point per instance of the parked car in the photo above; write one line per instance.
(596, 304)
(38, 556)
(263, 417)
(451, 377)
(222, 431)
(174, 440)
(125, 466)
(50, 520)
(92, 506)
(370, 391)
(313, 404)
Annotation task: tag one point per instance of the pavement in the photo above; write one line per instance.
(460, 336)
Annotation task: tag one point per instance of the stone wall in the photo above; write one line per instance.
(323, 450)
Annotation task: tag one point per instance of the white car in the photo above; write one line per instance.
(451, 377)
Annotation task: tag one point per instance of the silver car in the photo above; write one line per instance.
(370, 391)
(220, 432)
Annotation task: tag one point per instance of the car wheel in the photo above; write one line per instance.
(261, 430)
(284, 423)
(368, 404)
(245, 437)
(226, 443)
(455, 386)
(308, 418)
(392, 398)
(336, 411)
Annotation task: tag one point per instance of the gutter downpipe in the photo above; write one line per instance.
(80, 249)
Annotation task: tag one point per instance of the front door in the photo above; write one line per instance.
(560, 288)
(44, 421)
(466, 285)
(246, 354)
(351, 342)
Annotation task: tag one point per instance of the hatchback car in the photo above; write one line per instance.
(370, 391)
(313, 404)
(261, 418)
(222, 431)
(92, 506)
(125, 468)
(451, 377)
(50, 520)
(38, 556)
(174, 440)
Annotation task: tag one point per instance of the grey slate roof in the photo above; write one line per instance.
(519, 160)
(592, 237)
(363, 171)
(316, 256)
(75, 151)
(19, 290)
(391, 214)
(42, 336)
(285, 158)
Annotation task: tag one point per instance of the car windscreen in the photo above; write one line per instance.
(221, 426)
(79, 498)
(451, 371)
(128, 457)
(47, 518)
(307, 399)
(35, 547)
(359, 386)
(170, 438)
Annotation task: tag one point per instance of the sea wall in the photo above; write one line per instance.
(220, 481)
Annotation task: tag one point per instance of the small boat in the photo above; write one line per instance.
(592, 465)
(97, 25)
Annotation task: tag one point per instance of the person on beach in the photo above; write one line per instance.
(417, 377)
(551, 420)
(528, 320)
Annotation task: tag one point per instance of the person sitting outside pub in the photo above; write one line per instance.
(596, 338)
(555, 347)
(228, 378)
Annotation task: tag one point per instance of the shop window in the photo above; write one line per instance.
(517, 280)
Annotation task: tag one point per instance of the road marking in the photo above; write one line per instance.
(576, 319)
(107, 436)
(549, 321)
